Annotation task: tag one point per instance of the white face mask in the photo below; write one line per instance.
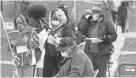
(55, 22)
(95, 17)
(64, 54)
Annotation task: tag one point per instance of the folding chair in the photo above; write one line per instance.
(96, 73)
(82, 45)
(39, 65)
(127, 70)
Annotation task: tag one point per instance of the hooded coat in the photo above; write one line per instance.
(106, 29)
(52, 56)
(26, 57)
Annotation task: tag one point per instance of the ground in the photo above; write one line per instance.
(125, 50)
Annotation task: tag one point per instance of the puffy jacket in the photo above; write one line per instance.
(106, 29)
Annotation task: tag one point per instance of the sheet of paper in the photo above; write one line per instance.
(21, 49)
(43, 35)
(94, 40)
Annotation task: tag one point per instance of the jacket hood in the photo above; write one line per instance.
(60, 15)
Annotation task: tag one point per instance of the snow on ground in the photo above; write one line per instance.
(118, 44)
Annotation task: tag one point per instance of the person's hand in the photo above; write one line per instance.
(14, 42)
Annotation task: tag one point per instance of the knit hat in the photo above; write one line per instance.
(36, 11)
(96, 10)
(63, 7)
(87, 11)
(65, 43)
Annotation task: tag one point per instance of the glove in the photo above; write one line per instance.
(103, 38)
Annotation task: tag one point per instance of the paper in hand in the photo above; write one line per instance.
(94, 40)
(21, 49)
(43, 35)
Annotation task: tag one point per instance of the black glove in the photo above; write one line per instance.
(103, 38)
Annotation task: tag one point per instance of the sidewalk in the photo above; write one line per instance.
(118, 44)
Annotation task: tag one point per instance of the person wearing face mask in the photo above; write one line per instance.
(36, 18)
(23, 48)
(83, 25)
(99, 37)
(60, 27)
(77, 63)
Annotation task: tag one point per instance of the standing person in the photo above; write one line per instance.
(36, 18)
(61, 27)
(100, 35)
(26, 60)
(77, 62)
(83, 26)
(23, 6)
(107, 10)
(122, 13)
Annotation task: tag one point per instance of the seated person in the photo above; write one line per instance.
(77, 63)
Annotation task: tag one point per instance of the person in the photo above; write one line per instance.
(99, 37)
(23, 8)
(25, 60)
(83, 26)
(107, 10)
(36, 18)
(114, 16)
(122, 14)
(77, 62)
(60, 27)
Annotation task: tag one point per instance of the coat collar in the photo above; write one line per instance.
(74, 51)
